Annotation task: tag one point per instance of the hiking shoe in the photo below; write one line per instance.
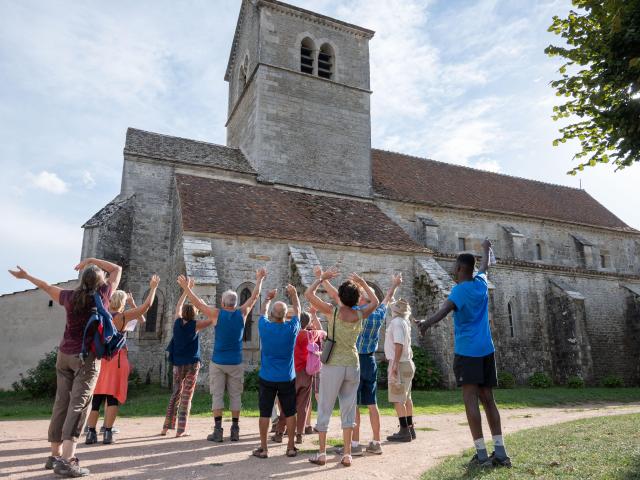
(500, 462)
(374, 448)
(475, 462)
(412, 430)
(274, 427)
(92, 437)
(276, 437)
(216, 436)
(51, 462)
(403, 435)
(235, 433)
(70, 468)
(298, 438)
(308, 430)
(355, 451)
(113, 429)
(107, 437)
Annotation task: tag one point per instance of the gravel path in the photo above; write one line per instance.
(141, 454)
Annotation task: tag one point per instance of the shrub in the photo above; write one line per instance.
(427, 374)
(40, 381)
(575, 382)
(383, 366)
(251, 380)
(540, 380)
(135, 380)
(612, 381)
(506, 380)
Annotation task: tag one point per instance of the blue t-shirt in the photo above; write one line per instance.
(277, 343)
(227, 346)
(471, 317)
(184, 348)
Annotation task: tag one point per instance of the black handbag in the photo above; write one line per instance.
(329, 343)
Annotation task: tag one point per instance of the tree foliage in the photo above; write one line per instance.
(601, 79)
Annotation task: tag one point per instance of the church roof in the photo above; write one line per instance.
(105, 212)
(184, 150)
(228, 208)
(418, 180)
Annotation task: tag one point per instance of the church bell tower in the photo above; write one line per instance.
(299, 98)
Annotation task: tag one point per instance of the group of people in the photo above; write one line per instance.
(298, 357)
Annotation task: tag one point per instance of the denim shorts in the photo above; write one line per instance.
(368, 389)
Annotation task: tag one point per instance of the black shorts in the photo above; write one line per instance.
(475, 370)
(286, 393)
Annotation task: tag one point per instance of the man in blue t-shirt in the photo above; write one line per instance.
(277, 372)
(474, 363)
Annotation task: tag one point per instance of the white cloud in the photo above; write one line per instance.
(49, 182)
(487, 164)
(87, 180)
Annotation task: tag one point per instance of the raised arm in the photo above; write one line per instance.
(484, 263)
(151, 296)
(330, 289)
(447, 307)
(314, 300)
(132, 304)
(315, 321)
(295, 301)
(197, 302)
(114, 271)
(374, 302)
(53, 292)
(247, 306)
(271, 294)
(396, 281)
(182, 299)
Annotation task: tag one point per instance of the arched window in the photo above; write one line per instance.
(538, 251)
(512, 314)
(377, 289)
(152, 317)
(244, 293)
(326, 61)
(153, 325)
(307, 53)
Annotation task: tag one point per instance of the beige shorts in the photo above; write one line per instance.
(400, 393)
(229, 378)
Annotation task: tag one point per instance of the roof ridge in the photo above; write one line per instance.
(481, 170)
(203, 142)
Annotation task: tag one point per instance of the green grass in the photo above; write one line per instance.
(151, 400)
(604, 447)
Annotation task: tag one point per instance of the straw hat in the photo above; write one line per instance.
(401, 308)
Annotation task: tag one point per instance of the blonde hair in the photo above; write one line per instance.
(118, 301)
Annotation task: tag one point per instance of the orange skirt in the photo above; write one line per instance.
(114, 376)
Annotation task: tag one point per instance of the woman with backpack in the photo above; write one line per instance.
(184, 354)
(75, 377)
(307, 364)
(113, 380)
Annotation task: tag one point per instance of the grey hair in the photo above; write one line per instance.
(229, 299)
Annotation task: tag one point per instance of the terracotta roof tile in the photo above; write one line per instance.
(229, 208)
(411, 179)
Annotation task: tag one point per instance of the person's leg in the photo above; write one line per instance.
(266, 399)
(493, 418)
(287, 397)
(470, 397)
(348, 396)
(303, 399)
(94, 415)
(188, 388)
(235, 387)
(374, 418)
(355, 436)
(64, 383)
(111, 412)
(330, 382)
(282, 419)
(217, 385)
(401, 410)
(172, 408)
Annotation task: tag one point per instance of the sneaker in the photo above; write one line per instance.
(298, 438)
(374, 448)
(475, 462)
(500, 462)
(107, 437)
(276, 437)
(113, 429)
(403, 435)
(216, 436)
(308, 430)
(355, 451)
(235, 432)
(51, 462)
(70, 468)
(412, 430)
(92, 437)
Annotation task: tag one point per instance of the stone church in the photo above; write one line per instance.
(298, 185)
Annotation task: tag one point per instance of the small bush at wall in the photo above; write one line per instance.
(135, 380)
(575, 382)
(251, 380)
(427, 374)
(612, 381)
(506, 380)
(383, 366)
(540, 380)
(40, 381)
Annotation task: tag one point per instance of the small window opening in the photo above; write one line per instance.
(538, 251)
(510, 311)
(325, 61)
(603, 261)
(245, 294)
(51, 303)
(306, 56)
(152, 317)
(462, 244)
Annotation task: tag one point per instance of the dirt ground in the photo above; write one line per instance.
(141, 454)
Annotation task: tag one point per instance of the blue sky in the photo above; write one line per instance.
(464, 82)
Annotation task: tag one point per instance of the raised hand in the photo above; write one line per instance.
(317, 271)
(396, 280)
(183, 282)
(191, 282)
(261, 274)
(271, 294)
(154, 282)
(19, 273)
(329, 274)
(291, 291)
(355, 278)
(82, 264)
(130, 301)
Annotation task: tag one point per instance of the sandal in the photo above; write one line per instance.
(319, 459)
(260, 453)
(348, 459)
(292, 452)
